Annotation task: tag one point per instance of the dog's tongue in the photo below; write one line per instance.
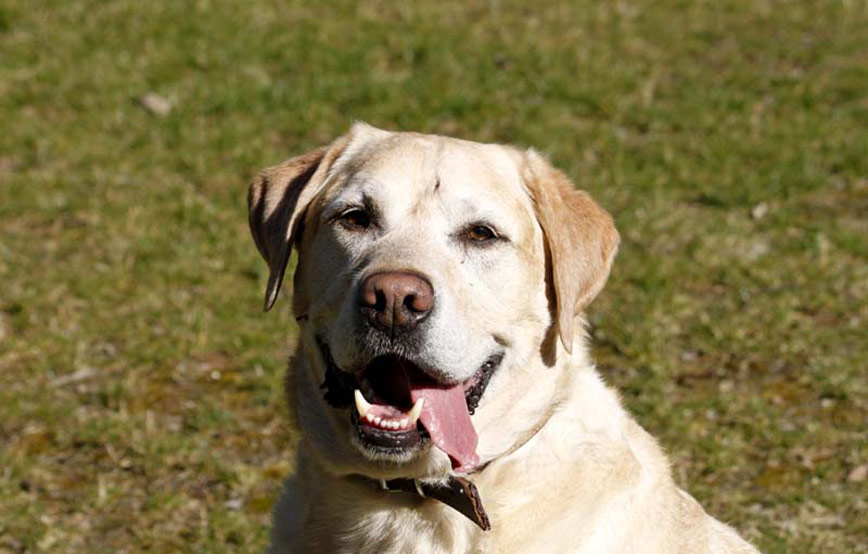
(445, 417)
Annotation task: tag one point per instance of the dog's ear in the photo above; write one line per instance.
(277, 198)
(580, 236)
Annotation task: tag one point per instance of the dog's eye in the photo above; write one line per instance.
(480, 233)
(355, 218)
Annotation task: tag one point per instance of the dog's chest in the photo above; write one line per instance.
(385, 523)
(381, 533)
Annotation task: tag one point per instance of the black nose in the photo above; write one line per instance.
(395, 301)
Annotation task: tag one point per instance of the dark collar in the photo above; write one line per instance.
(456, 492)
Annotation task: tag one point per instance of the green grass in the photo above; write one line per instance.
(729, 139)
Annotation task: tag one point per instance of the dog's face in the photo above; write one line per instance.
(429, 271)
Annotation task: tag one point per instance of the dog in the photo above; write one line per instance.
(441, 389)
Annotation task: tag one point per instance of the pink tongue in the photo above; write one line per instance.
(445, 417)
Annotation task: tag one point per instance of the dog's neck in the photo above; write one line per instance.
(459, 493)
(352, 514)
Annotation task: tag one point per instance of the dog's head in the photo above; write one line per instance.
(435, 280)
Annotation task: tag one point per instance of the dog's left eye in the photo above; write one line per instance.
(480, 233)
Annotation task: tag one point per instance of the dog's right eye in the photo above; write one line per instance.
(355, 218)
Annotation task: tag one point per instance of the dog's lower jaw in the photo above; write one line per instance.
(328, 435)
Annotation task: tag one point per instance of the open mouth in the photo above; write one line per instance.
(397, 407)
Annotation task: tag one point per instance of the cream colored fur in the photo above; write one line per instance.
(565, 468)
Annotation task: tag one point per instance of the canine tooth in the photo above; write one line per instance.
(413, 416)
(362, 405)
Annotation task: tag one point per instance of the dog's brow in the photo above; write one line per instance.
(355, 199)
(474, 210)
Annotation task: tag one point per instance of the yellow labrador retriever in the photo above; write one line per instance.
(441, 388)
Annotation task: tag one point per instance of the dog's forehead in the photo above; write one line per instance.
(408, 166)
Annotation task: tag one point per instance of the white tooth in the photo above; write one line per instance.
(413, 416)
(378, 420)
(405, 422)
(362, 405)
(370, 417)
(395, 425)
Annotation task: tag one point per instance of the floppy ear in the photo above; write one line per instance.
(580, 236)
(275, 201)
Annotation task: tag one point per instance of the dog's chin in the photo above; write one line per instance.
(383, 420)
(398, 447)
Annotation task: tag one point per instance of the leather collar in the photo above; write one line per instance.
(458, 493)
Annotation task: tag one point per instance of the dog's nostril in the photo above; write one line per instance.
(380, 304)
(373, 298)
(418, 304)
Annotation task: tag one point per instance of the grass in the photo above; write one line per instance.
(140, 405)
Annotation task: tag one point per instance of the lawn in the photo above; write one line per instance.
(140, 402)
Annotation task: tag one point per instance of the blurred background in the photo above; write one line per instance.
(140, 384)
